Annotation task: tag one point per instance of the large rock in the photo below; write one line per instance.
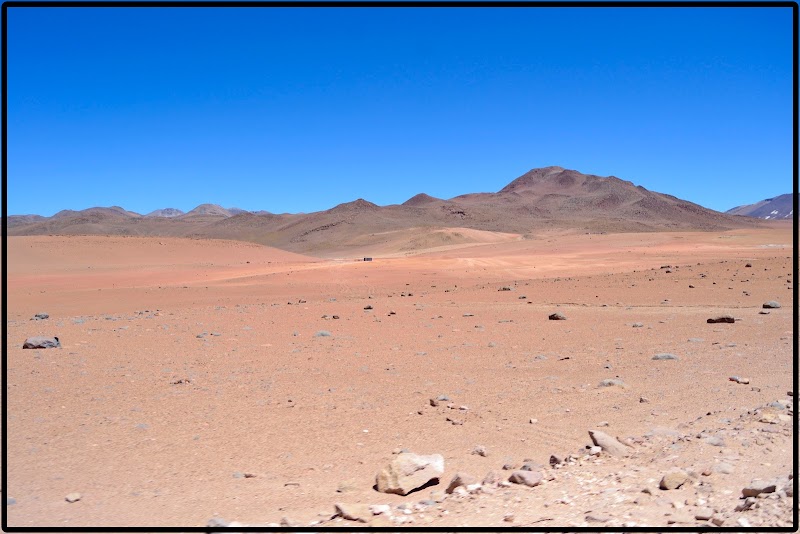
(771, 304)
(608, 443)
(756, 487)
(39, 342)
(409, 471)
(673, 480)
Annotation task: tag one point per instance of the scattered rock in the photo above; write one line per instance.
(739, 380)
(480, 450)
(40, 317)
(368, 307)
(609, 444)
(637, 325)
(409, 471)
(73, 497)
(505, 288)
(673, 480)
(771, 304)
(665, 356)
(556, 459)
(39, 342)
(558, 316)
(526, 478)
(492, 478)
(722, 319)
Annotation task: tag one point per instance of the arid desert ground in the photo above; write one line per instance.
(219, 381)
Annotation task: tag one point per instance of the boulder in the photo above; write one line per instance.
(409, 471)
(40, 342)
(673, 480)
(526, 478)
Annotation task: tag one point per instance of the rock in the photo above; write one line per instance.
(556, 459)
(368, 307)
(347, 486)
(322, 333)
(409, 471)
(217, 522)
(673, 480)
(757, 487)
(771, 304)
(492, 478)
(665, 356)
(608, 443)
(73, 497)
(608, 382)
(763, 312)
(644, 399)
(739, 380)
(715, 441)
(378, 509)
(595, 517)
(724, 468)
(703, 514)
(722, 319)
(638, 325)
(40, 317)
(354, 512)
(460, 480)
(527, 478)
(505, 288)
(39, 342)
(558, 316)
(480, 450)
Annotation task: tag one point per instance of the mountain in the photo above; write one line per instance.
(208, 209)
(166, 212)
(780, 207)
(541, 199)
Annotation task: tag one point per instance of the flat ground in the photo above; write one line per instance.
(186, 364)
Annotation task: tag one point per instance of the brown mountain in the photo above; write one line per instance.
(546, 198)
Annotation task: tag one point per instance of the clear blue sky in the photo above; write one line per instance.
(299, 109)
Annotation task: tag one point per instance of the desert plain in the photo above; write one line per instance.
(204, 381)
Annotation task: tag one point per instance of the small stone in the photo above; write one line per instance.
(556, 459)
(480, 450)
(527, 478)
(673, 480)
(533, 421)
(665, 356)
(460, 480)
(608, 382)
(722, 319)
(492, 478)
(718, 521)
(73, 497)
(378, 509)
(40, 317)
(724, 468)
(644, 400)
(757, 487)
(638, 325)
(595, 517)
(739, 380)
(558, 316)
(703, 514)
(763, 312)
(771, 304)
(715, 440)
(354, 512)
(368, 307)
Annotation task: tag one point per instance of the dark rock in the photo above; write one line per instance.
(771, 304)
(40, 317)
(722, 319)
(558, 316)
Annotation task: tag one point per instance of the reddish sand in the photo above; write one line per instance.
(153, 425)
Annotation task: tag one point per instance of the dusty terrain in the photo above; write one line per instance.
(195, 382)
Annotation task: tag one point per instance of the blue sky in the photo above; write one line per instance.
(299, 109)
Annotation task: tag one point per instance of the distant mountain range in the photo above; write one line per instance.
(545, 198)
(780, 207)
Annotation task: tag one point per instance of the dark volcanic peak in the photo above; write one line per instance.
(165, 212)
(209, 209)
(421, 200)
(780, 207)
(534, 177)
(356, 205)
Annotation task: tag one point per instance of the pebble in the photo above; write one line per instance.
(558, 316)
(771, 304)
(73, 497)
